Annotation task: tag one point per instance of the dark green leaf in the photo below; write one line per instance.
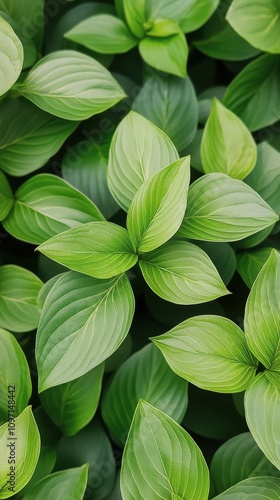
(6, 196)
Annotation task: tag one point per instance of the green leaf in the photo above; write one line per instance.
(70, 483)
(224, 209)
(44, 467)
(167, 54)
(15, 381)
(249, 264)
(6, 196)
(71, 85)
(45, 206)
(19, 456)
(222, 256)
(19, 290)
(71, 406)
(138, 150)
(262, 407)
(161, 460)
(135, 15)
(11, 56)
(267, 488)
(210, 352)
(171, 104)
(258, 23)
(254, 94)
(99, 249)
(86, 320)
(157, 210)
(31, 19)
(29, 49)
(29, 137)
(227, 145)
(182, 273)
(161, 28)
(144, 375)
(103, 33)
(262, 318)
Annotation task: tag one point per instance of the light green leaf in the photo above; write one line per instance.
(224, 209)
(135, 15)
(157, 210)
(15, 381)
(161, 28)
(29, 48)
(161, 460)
(31, 20)
(18, 456)
(262, 317)
(257, 22)
(44, 467)
(99, 249)
(6, 196)
(29, 137)
(254, 94)
(86, 320)
(138, 150)
(227, 145)
(249, 263)
(182, 273)
(144, 375)
(70, 483)
(210, 352)
(171, 104)
(262, 407)
(71, 406)
(103, 33)
(45, 206)
(266, 488)
(167, 54)
(71, 85)
(11, 56)
(19, 290)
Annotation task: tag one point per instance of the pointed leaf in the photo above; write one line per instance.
(167, 54)
(209, 351)
(11, 56)
(249, 264)
(267, 488)
(6, 196)
(135, 16)
(222, 256)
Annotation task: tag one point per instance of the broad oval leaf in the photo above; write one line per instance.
(15, 381)
(224, 209)
(144, 375)
(138, 150)
(99, 249)
(210, 352)
(182, 273)
(11, 56)
(262, 409)
(171, 104)
(157, 210)
(161, 460)
(227, 145)
(45, 206)
(71, 85)
(71, 406)
(6, 196)
(263, 487)
(167, 54)
(249, 263)
(19, 450)
(19, 289)
(83, 322)
(257, 22)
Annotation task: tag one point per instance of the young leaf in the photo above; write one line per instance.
(171, 104)
(18, 456)
(138, 150)
(161, 460)
(19, 290)
(263, 487)
(6, 196)
(227, 145)
(258, 23)
(135, 16)
(71, 85)
(15, 381)
(262, 407)
(31, 21)
(224, 209)
(262, 318)
(157, 210)
(103, 33)
(70, 483)
(167, 54)
(254, 93)
(71, 406)
(99, 249)
(144, 375)
(45, 206)
(210, 352)
(11, 56)
(249, 264)
(86, 320)
(182, 273)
